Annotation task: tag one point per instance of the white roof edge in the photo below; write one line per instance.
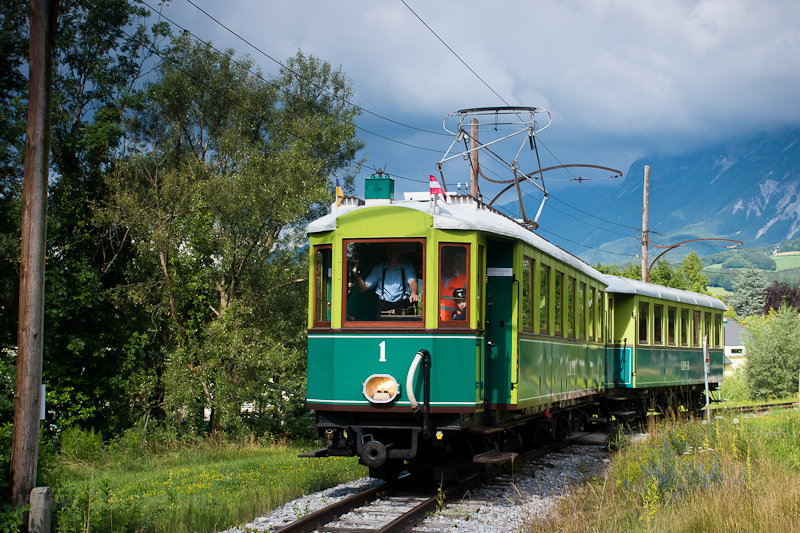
(468, 217)
(622, 285)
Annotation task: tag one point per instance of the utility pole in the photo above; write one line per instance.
(645, 237)
(30, 331)
(473, 145)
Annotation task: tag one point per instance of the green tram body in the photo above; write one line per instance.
(546, 347)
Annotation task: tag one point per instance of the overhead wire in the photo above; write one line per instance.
(256, 48)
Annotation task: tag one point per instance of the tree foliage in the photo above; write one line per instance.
(224, 169)
(779, 294)
(772, 342)
(748, 296)
(98, 54)
(687, 276)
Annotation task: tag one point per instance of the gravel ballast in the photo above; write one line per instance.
(501, 507)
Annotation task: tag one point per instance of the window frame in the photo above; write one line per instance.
(544, 298)
(558, 307)
(658, 324)
(672, 326)
(321, 248)
(643, 327)
(527, 284)
(460, 324)
(422, 289)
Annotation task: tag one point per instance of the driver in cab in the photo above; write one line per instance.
(394, 281)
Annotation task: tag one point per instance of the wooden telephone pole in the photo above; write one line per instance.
(645, 237)
(474, 169)
(30, 331)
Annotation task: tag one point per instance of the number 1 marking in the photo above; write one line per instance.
(383, 352)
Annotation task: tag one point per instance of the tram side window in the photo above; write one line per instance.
(322, 285)
(544, 299)
(454, 284)
(684, 327)
(571, 308)
(591, 311)
(707, 328)
(581, 310)
(384, 281)
(559, 307)
(671, 317)
(527, 303)
(644, 314)
(696, 328)
(717, 331)
(658, 324)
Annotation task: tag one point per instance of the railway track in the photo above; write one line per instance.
(755, 408)
(399, 506)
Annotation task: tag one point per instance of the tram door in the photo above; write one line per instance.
(500, 300)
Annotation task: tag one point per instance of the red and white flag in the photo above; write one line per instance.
(437, 189)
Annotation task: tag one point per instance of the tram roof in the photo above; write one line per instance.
(620, 285)
(464, 213)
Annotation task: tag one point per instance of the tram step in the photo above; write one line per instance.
(493, 457)
(623, 413)
(322, 452)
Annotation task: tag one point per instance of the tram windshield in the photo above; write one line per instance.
(384, 281)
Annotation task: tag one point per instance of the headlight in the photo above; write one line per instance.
(381, 388)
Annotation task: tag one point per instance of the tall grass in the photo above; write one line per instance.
(730, 475)
(197, 486)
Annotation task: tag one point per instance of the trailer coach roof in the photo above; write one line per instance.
(466, 213)
(621, 285)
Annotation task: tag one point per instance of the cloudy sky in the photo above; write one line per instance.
(621, 79)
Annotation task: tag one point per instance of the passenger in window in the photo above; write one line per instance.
(394, 281)
(460, 296)
(451, 280)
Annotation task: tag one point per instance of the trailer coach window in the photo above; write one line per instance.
(717, 331)
(658, 324)
(322, 286)
(644, 314)
(671, 316)
(544, 299)
(707, 328)
(684, 327)
(696, 328)
(384, 282)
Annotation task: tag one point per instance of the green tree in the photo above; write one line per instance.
(773, 353)
(692, 269)
(748, 293)
(98, 53)
(224, 171)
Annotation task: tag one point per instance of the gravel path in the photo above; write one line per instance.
(500, 508)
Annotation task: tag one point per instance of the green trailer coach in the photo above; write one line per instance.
(513, 340)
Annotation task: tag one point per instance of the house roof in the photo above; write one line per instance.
(733, 333)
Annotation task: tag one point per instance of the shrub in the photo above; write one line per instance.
(734, 387)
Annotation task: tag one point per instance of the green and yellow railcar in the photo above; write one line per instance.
(512, 341)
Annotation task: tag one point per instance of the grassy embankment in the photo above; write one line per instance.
(196, 487)
(735, 474)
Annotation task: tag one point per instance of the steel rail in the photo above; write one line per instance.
(330, 513)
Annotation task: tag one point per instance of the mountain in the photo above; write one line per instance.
(747, 191)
